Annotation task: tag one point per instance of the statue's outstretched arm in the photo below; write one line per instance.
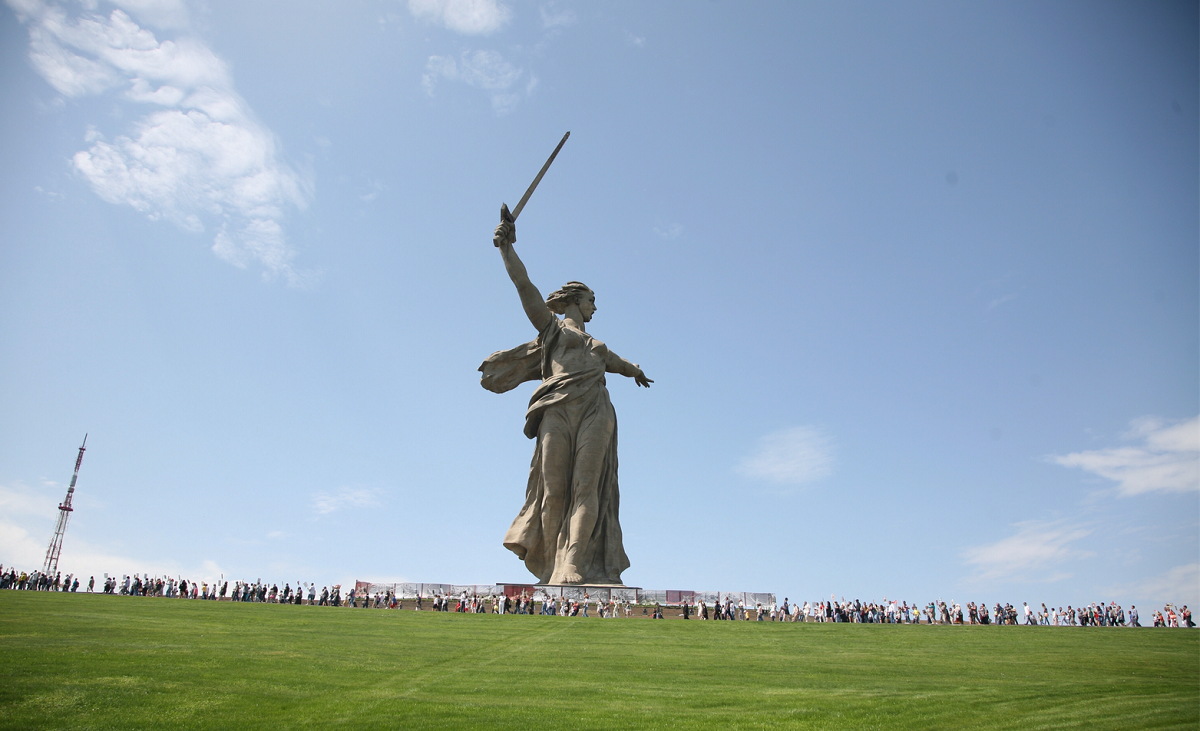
(531, 299)
(614, 363)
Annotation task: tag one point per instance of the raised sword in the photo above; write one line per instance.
(505, 214)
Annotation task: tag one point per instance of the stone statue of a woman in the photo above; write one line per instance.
(568, 531)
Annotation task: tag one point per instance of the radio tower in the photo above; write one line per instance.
(64, 514)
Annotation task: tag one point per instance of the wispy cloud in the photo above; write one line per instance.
(1009, 297)
(556, 16)
(791, 456)
(158, 13)
(344, 497)
(1166, 460)
(1179, 585)
(18, 500)
(485, 70)
(27, 517)
(469, 17)
(669, 230)
(374, 188)
(635, 40)
(1001, 290)
(1034, 553)
(200, 160)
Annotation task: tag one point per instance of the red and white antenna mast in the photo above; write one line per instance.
(64, 514)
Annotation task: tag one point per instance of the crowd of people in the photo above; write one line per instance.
(171, 588)
(941, 612)
(528, 603)
(887, 612)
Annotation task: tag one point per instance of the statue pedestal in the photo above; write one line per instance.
(593, 592)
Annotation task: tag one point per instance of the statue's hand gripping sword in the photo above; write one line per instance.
(511, 217)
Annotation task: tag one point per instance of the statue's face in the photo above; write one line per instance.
(587, 306)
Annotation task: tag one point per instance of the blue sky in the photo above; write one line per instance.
(917, 285)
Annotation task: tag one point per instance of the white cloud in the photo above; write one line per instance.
(485, 70)
(17, 500)
(375, 187)
(791, 456)
(27, 518)
(19, 548)
(635, 40)
(469, 17)
(669, 230)
(1033, 554)
(1001, 300)
(436, 68)
(159, 13)
(201, 160)
(1167, 460)
(1179, 585)
(344, 497)
(555, 16)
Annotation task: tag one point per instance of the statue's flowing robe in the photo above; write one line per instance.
(570, 408)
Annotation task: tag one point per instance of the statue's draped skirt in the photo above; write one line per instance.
(574, 468)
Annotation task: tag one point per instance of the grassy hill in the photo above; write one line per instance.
(80, 661)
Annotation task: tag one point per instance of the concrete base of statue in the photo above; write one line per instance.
(593, 592)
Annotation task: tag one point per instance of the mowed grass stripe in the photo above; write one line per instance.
(100, 662)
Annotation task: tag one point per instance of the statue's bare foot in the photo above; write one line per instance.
(572, 577)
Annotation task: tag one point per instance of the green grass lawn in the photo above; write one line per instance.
(80, 661)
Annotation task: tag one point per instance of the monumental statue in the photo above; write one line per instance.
(568, 531)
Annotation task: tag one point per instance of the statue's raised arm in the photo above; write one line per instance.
(531, 299)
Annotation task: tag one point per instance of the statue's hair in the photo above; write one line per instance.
(570, 293)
